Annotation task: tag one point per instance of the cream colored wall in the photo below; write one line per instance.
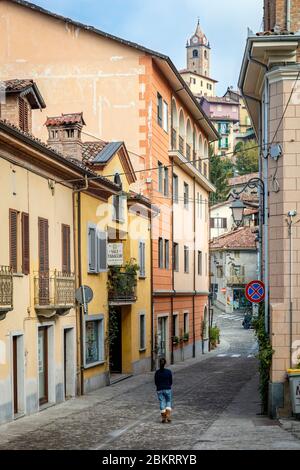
(88, 73)
(184, 234)
(223, 212)
(34, 197)
(200, 87)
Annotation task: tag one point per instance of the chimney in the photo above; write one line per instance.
(17, 100)
(65, 134)
(282, 16)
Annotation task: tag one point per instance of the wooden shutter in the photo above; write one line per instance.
(102, 251)
(13, 240)
(66, 251)
(25, 244)
(43, 246)
(44, 287)
(92, 267)
(23, 115)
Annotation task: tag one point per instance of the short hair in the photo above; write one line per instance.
(162, 363)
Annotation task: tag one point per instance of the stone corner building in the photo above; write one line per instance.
(269, 81)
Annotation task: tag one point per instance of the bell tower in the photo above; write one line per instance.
(198, 53)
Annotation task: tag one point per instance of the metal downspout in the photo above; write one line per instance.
(266, 197)
(172, 266)
(194, 273)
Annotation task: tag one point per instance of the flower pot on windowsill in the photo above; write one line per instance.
(176, 341)
(186, 338)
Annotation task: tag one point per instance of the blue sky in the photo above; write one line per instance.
(165, 26)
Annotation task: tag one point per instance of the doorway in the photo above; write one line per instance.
(69, 370)
(240, 301)
(162, 337)
(18, 374)
(115, 344)
(43, 365)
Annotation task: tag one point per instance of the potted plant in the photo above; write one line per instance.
(175, 340)
(186, 337)
(214, 336)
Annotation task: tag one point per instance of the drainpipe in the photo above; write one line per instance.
(173, 278)
(194, 273)
(264, 168)
(80, 309)
(266, 196)
(288, 15)
(152, 298)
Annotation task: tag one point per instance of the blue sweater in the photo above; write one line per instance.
(163, 379)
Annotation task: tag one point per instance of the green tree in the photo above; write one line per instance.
(221, 169)
(246, 157)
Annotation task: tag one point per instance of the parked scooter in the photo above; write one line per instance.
(247, 322)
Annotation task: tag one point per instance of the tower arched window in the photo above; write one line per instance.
(205, 54)
(195, 53)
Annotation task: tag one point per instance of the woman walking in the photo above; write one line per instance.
(163, 382)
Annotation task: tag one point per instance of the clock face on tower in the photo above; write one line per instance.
(195, 40)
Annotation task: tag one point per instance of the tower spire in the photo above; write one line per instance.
(198, 32)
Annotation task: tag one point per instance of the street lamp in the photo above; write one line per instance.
(238, 209)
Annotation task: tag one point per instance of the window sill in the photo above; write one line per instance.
(95, 364)
(18, 275)
(143, 350)
(142, 278)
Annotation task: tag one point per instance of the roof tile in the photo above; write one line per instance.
(241, 238)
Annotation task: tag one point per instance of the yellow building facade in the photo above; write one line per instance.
(117, 325)
(38, 364)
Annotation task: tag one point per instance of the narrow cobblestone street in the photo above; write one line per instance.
(216, 407)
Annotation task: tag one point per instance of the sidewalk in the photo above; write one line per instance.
(241, 427)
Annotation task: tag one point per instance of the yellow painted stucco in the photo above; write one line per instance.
(24, 190)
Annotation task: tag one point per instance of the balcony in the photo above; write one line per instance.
(121, 287)
(6, 291)
(188, 152)
(181, 145)
(54, 293)
(236, 280)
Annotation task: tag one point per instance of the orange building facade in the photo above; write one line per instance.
(132, 94)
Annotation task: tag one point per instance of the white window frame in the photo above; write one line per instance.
(142, 258)
(165, 117)
(143, 347)
(100, 320)
(97, 268)
(176, 318)
(186, 314)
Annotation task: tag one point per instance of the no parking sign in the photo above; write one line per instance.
(255, 292)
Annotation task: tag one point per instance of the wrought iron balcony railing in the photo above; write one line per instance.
(181, 145)
(6, 291)
(121, 287)
(237, 280)
(188, 151)
(54, 291)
